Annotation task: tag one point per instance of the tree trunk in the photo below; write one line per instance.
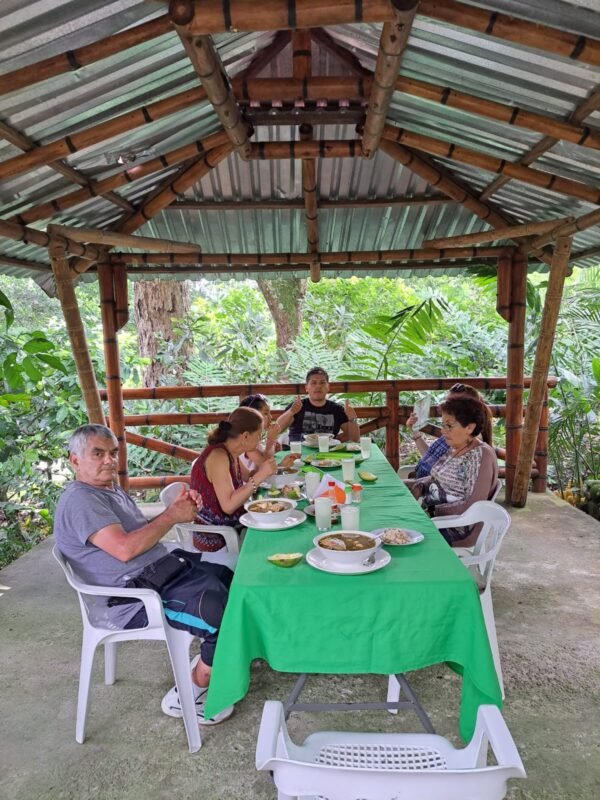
(157, 304)
(284, 298)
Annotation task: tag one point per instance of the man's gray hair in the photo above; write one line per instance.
(80, 437)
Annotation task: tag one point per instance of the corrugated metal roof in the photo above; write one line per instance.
(438, 53)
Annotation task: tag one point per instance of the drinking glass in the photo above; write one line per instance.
(296, 447)
(313, 479)
(323, 513)
(365, 446)
(323, 444)
(350, 518)
(348, 469)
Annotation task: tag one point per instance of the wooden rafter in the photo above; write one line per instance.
(324, 202)
(111, 239)
(214, 16)
(568, 228)
(327, 41)
(393, 41)
(34, 266)
(324, 148)
(26, 144)
(268, 53)
(208, 66)
(581, 112)
(514, 29)
(22, 233)
(73, 60)
(545, 180)
(127, 176)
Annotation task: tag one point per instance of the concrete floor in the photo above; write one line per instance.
(547, 600)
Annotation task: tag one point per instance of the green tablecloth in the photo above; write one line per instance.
(421, 609)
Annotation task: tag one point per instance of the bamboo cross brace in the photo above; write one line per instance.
(545, 180)
(209, 68)
(393, 41)
(106, 238)
(22, 233)
(509, 232)
(569, 228)
(539, 375)
(124, 178)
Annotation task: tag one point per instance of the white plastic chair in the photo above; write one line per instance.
(177, 641)
(387, 766)
(185, 530)
(404, 471)
(481, 559)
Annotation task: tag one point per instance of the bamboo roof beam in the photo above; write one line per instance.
(22, 233)
(514, 29)
(581, 112)
(208, 66)
(135, 118)
(110, 239)
(317, 87)
(324, 202)
(557, 129)
(74, 60)
(464, 155)
(267, 54)
(510, 232)
(587, 253)
(441, 179)
(124, 178)
(34, 266)
(76, 331)
(341, 53)
(351, 268)
(26, 144)
(215, 16)
(541, 365)
(393, 41)
(172, 189)
(331, 148)
(568, 228)
(261, 259)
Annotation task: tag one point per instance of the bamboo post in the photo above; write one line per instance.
(392, 438)
(121, 297)
(503, 280)
(539, 375)
(68, 301)
(309, 192)
(540, 482)
(208, 66)
(515, 365)
(393, 41)
(113, 372)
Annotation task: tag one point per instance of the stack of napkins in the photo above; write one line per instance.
(340, 488)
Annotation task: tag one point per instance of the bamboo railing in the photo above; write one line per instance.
(388, 416)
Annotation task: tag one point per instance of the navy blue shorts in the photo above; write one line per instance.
(194, 601)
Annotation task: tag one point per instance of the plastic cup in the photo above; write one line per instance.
(350, 518)
(365, 446)
(296, 447)
(348, 469)
(313, 479)
(323, 444)
(323, 513)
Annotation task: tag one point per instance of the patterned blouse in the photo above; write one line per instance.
(453, 478)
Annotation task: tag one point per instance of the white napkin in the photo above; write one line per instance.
(421, 409)
(324, 485)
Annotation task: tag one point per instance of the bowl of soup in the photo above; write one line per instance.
(268, 510)
(312, 439)
(347, 547)
(283, 476)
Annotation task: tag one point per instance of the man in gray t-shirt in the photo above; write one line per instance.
(107, 540)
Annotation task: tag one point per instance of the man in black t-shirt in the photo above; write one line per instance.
(320, 415)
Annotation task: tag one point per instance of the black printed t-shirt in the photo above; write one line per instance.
(318, 419)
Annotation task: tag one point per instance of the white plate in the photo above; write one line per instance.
(332, 443)
(415, 536)
(295, 518)
(316, 560)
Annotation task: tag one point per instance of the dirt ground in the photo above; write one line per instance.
(547, 602)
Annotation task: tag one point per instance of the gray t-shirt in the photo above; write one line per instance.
(83, 510)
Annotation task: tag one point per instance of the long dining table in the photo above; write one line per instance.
(421, 609)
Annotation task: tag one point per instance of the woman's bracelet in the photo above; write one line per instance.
(416, 436)
(252, 483)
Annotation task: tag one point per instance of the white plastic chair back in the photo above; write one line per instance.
(185, 530)
(91, 600)
(404, 470)
(354, 766)
(495, 491)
